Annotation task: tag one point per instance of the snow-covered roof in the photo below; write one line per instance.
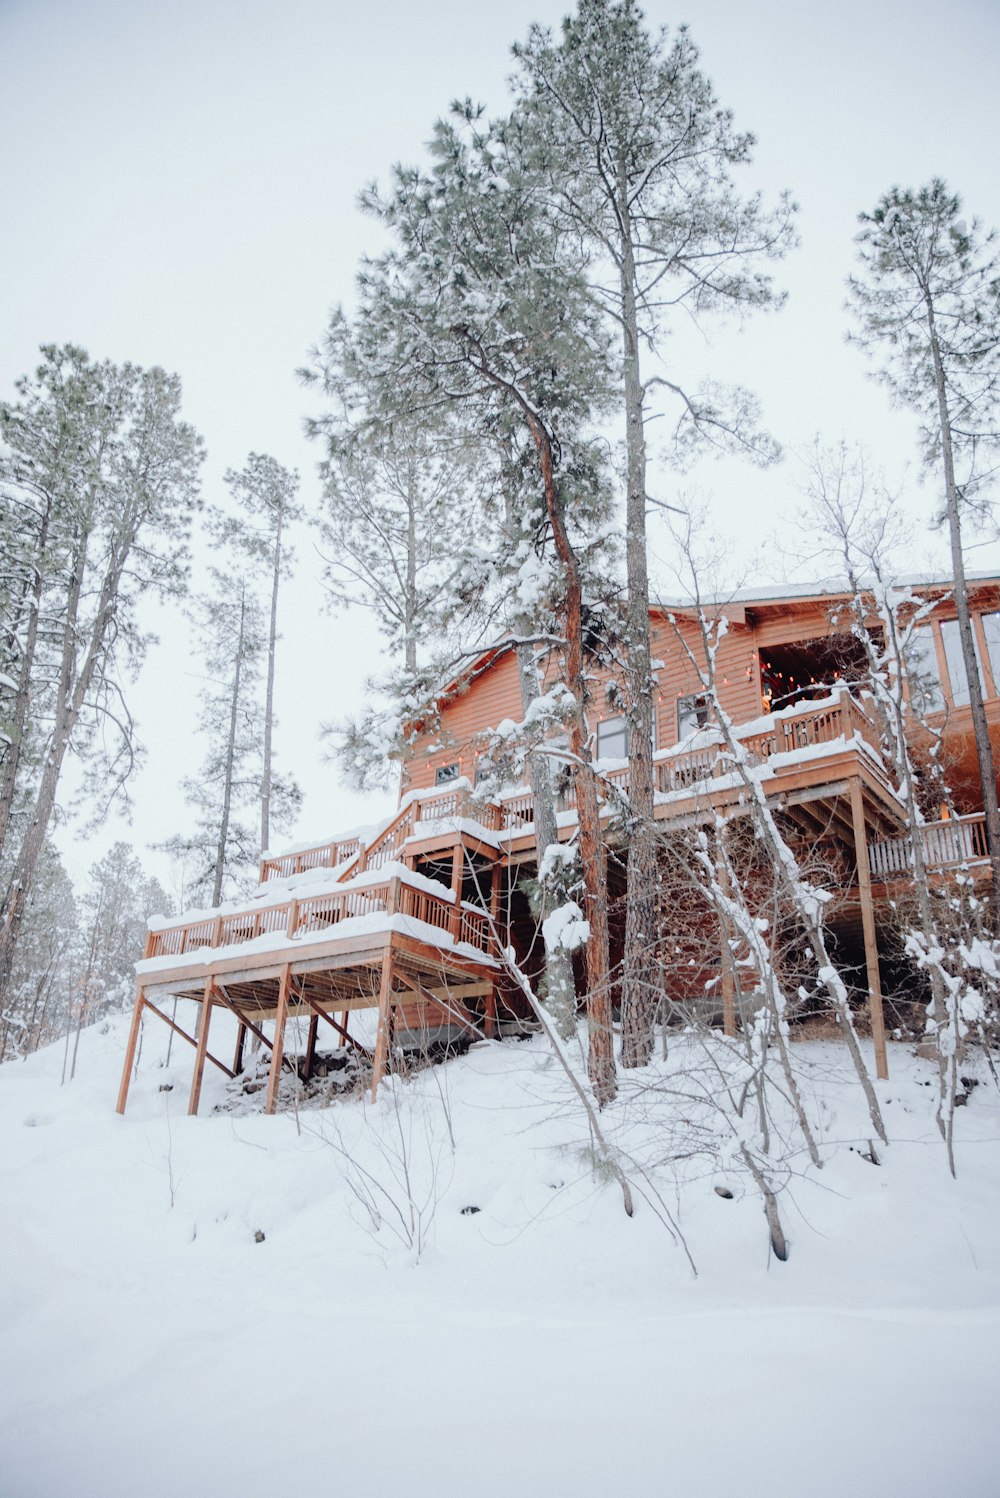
(824, 587)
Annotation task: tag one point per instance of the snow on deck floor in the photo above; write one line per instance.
(543, 1346)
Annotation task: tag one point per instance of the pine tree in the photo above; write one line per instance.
(265, 494)
(639, 161)
(928, 300)
(480, 306)
(400, 498)
(224, 845)
(101, 464)
(41, 991)
(939, 924)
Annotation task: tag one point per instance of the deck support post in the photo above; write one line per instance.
(310, 1047)
(201, 1048)
(490, 1007)
(456, 889)
(241, 1036)
(868, 927)
(726, 952)
(341, 1029)
(384, 1023)
(278, 1045)
(133, 1036)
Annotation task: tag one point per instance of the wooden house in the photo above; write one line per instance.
(416, 922)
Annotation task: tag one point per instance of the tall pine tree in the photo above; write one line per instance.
(928, 301)
(639, 162)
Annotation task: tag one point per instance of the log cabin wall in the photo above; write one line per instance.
(753, 629)
(491, 696)
(495, 694)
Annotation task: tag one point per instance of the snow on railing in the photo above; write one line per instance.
(794, 730)
(421, 806)
(296, 918)
(946, 844)
(322, 856)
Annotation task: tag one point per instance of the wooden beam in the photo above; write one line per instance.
(320, 1013)
(457, 860)
(868, 927)
(382, 1034)
(201, 1049)
(173, 1025)
(133, 1036)
(490, 1007)
(278, 1049)
(465, 1018)
(247, 1024)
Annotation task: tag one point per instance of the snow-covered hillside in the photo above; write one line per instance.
(543, 1344)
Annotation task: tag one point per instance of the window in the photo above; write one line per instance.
(692, 714)
(991, 629)
(956, 662)
(445, 773)
(922, 672)
(612, 739)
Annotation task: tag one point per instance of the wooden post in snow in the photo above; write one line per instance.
(202, 1047)
(133, 1036)
(310, 1047)
(868, 927)
(241, 1036)
(726, 952)
(278, 1047)
(384, 1023)
(490, 1007)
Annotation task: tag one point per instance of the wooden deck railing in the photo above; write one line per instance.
(318, 912)
(673, 771)
(946, 845)
(323, 856)
(684, 769)
(455, 801)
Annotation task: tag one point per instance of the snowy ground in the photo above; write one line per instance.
(543, 1345)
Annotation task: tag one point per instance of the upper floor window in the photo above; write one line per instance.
(612, 739)
(692, 714)
(445, 773)
(952, 642)
(923, 673)
(991, 629)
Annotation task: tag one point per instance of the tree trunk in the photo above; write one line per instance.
(559, 982)
(227, 792)
(409, 622)
(265, 787)
(980, 730)
(600, 1053)
(640, 994)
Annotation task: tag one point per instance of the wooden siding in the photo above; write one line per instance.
(491, 697)
(495, 693)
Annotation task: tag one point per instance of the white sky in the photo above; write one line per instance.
(179, 187)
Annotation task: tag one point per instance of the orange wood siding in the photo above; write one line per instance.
(493, 696)
(675, 643)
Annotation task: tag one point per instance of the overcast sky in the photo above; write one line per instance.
(179, 189)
